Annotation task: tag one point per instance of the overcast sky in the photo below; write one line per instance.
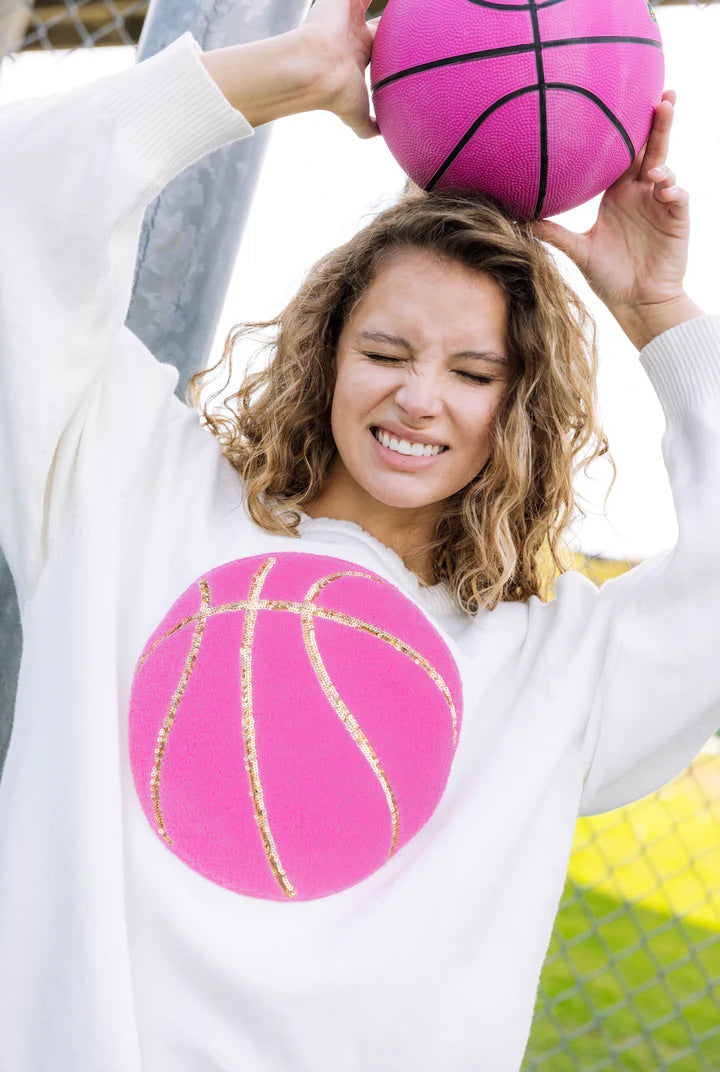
(320, 183)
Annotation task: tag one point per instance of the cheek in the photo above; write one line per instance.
(341, 410)
(477, 423)
(346, 413)
(356, 392)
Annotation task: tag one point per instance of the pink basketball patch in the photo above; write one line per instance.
(293, 721)
(497, 96)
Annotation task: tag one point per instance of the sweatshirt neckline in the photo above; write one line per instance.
(435, 597)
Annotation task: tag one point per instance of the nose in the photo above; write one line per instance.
(419, 397)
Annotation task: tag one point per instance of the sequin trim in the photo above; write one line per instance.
(330, 615)
(162, 740)
(248, 727)
(399, 645)
(336, 702)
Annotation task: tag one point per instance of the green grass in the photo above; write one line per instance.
(626, 988)
(631, 982)
(663, 851)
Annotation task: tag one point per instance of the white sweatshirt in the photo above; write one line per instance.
(118, 955)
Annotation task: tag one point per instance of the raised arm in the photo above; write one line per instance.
(645, 648)
(79, 169)
(321, 65)
(650, 646)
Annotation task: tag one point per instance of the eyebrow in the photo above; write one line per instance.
(397, 340)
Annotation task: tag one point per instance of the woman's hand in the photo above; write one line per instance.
(635, 255)
(319, 65)
(341, 39)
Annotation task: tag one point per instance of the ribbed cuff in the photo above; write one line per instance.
(171, 109)
(683, 365)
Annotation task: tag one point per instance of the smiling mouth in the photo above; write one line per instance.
(404, 446)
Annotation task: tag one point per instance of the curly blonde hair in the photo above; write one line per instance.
(499, 534)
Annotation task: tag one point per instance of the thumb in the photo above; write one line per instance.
(369, 129)
(572, 244)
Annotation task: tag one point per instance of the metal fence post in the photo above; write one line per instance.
(192, 231)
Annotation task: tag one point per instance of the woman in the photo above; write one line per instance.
(299, 749)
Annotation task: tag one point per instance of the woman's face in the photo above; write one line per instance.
(421, 368)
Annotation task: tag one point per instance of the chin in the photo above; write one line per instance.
(403, 498)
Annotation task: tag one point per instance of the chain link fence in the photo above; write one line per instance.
(64, 24)
(632, 976)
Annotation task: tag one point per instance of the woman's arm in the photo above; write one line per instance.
(644, 660)
(321, 65)
(79, 169)
(648, 648)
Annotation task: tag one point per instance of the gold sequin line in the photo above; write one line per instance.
(336, 702)
(162, 740)
(248, 726)
(293, 607)
(399, 645)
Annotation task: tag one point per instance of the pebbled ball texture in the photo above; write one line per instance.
(542, 104)
(293, 721)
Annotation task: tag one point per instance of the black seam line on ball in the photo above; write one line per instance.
(473, 130)
(514, 7)
(609, 39)
(512, 96)
(447, 61)
(509, 50)
(542, 110)
(603, 108)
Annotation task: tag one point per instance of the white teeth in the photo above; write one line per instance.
(403, 446)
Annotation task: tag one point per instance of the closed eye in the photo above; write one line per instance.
(461, 372)
(474, 378)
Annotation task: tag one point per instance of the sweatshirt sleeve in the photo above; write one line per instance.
(78, 170)
(655, 698)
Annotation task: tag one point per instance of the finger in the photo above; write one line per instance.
(367, 129)
(568, 242)
(677, 200)
(371, 129)
(658, 143)
(662, 177)
(637, 164)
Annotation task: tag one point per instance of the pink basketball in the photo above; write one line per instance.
(542, 104)
(293, 720)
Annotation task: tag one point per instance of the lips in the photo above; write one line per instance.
(397, 443)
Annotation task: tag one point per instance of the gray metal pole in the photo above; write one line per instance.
(191, 233)
(10, 649)
(189, 242)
